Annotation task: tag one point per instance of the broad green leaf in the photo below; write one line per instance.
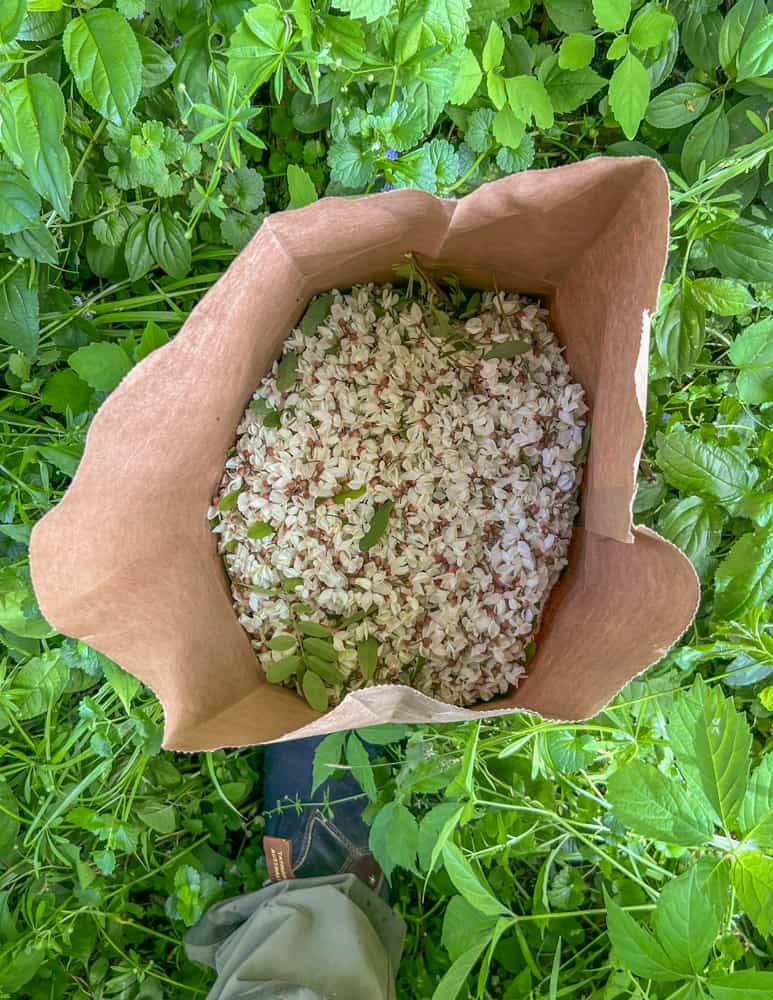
(680, 332)
(469, 883)
(260, 529)
(748, 984)
(636, 948)
(712, 743)
(752, 352)
(32, 113)
(576, 51)
(753, 882)
(322, 648)
(153, 337)
(467, 80)
(629, 94)
(568, 89)
(316, 314)
(507, 128)
(723, 296)
(706, 143)
(394, 838)
(314, 629)
(678, 106)
(694, 525)
(495, 85)
(101, 365)
(65, 390)
(285, 373)
(139, 259)
(351, 164)
(362, 771)
(19, 204)
(367, 656)
(157, 64)
(687, 921)
(512, 161)
(707, 468)
(301, 187)
(656, 806)
(38, 683)
(651, 27)
(326, 757)
(158, 816)
(282, 643)
(738, 23)
(19, 310)
(452, 982)
(529, 99)
(384, 734)
(756, 815)
(700, 36)
(35, 243)
(463, 925)
(369, 10)
(755, 57)
(742, 250)
(570, 15)
(19, 970)
(314, 691)
(493, 49)
(378, 526)
(168, 244)
(12, 13)
(744, 578)
(121, 681)
(432, 826)
(104, 57)
(612, 15)
(258, 46)
(618, 48)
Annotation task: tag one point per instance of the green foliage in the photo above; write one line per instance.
(142, 144)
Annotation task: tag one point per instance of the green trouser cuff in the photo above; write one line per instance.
(327, 938)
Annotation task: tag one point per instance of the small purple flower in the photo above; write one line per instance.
(388, 187)
(176, 41)
(391, 154)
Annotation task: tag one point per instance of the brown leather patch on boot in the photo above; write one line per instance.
(279, 858)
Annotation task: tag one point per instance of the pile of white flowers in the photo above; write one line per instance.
(401, 496)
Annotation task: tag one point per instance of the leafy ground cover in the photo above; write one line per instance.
(142, 142)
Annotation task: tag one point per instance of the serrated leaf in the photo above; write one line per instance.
(723, 296)
(467, 882)
(687, 921)
(576, 51)
(153, 337)
(35, 243)
(394, 838)
(467, 80)
(19, 311)
(529, 99)
(158, 816)
(756, 814)
(38, 683)
(694, 525)
(700, 36)
(507, 129)
(612, 15)
(752, 353)
(430, 831)
(629, 94)
(368, 10)
(19, 203)
(104, 57)
(362, 771)
(326, 756)
(636, 948)
(280, 670)
(711, 742)
(570, 15)
(32, 113)
(12, 13)
(494, 48)
(463, 925)
(651, 27)
(656, 806)
(707, 468)
(101, 365)
(744, 578)
(454, 979)
(64, 389)
(678, 106)
(568, 89)
(752, 874)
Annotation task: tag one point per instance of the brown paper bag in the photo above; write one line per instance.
(127, 561)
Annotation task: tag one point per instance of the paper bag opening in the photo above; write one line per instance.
(127, 562)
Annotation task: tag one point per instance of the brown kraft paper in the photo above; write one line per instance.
(127, 563)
